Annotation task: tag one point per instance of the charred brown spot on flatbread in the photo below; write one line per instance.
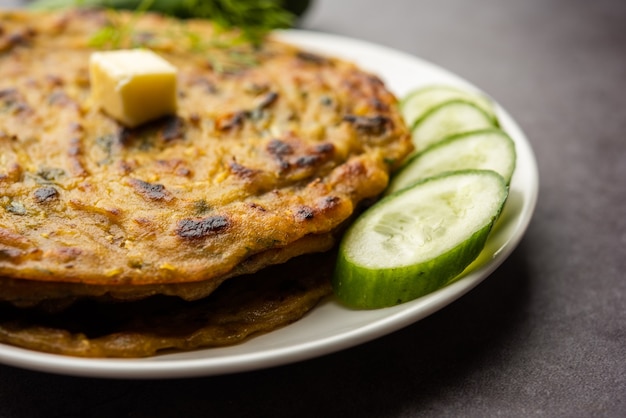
(150, 191)
(75, 153)
(173, 128)
(371, 125)
(312, 58)
(241, 171)
(231, 121)
(45, 194)
(192, 229)
(304, 213)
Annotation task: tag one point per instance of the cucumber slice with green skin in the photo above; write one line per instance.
(489, 149)
(447, 119)
(417, 103)
(415, 241)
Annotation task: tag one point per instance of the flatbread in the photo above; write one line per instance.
(240, 309)
(271, 146)
(195, 230)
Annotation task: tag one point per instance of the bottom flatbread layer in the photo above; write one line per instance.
(56, 296)
(241, 307)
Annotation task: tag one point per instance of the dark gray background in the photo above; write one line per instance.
(545, 335)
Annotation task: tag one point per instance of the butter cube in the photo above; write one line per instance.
(133, 86)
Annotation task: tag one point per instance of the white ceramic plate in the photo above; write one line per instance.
(330, 327)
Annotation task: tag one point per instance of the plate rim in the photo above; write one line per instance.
(170, 366)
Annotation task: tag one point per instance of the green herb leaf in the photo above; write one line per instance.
(255, 18)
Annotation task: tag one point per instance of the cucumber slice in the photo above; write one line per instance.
(447, 119)
(489, 149)
(415, 241)
(417, 103)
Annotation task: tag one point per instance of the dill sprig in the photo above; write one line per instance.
(254, 18)
(118, 32)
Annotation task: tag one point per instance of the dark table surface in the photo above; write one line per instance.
(545, 335)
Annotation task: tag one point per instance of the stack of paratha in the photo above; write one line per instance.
(112, 240)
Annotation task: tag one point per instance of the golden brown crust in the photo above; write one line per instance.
(257, 158)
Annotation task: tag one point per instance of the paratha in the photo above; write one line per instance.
(272, 150)
(241, 308)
